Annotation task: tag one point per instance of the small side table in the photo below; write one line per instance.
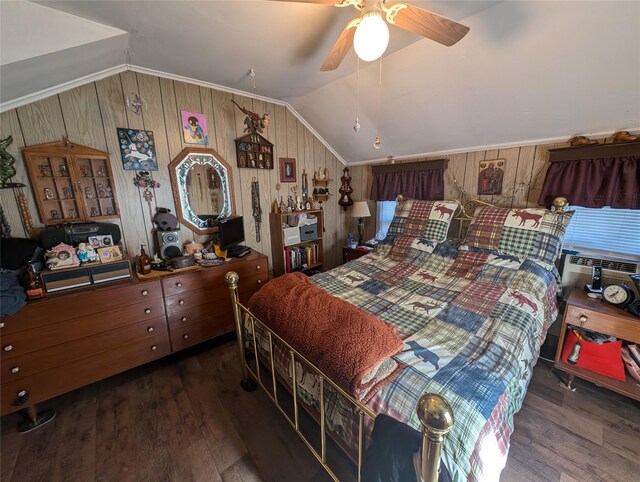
(349, 254)
(598, 316)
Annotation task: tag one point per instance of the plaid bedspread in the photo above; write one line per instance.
(472, 325)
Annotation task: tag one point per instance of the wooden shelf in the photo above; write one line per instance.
(277, 240)
(630, 388)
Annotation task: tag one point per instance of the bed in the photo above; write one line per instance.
(471, 318)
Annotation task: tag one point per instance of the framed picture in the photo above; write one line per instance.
(61, 256)
(287, 169)
(194, 128)
(490, 177)
(138, 150)
(100, 241)
(108, 254)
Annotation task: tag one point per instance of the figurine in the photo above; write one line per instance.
(54, 214)
(309, 207)
(45, 170)
(283, 206)
(290, 204)
(253, 122)
(107, 191)
(63, 170)
(83, 253)
(85, 171)
(101, 172)
(48, 193)
(72, 213)
(88, 193)
(94, 211)
(101, 191)
(274, 207)
(67, 192)
(110, 211)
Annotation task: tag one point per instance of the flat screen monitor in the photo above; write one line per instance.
(231, 232)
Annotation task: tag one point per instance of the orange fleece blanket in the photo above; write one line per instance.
(351, 346)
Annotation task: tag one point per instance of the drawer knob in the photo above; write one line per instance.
(15, 369)
(154, 347)
(144, 292)
(259, 281)
(583, 318)
(22, 397)
(8, 348)
(147, 310)
(150, 329)
(1, 324)
(181, 302)
(258, 266)
(184, 318)
(185, 337)
(178, 284)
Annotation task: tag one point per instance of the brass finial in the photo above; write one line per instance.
(232, 279)
(435, 414)
(560, 203)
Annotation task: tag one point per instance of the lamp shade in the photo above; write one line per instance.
(371, 37)
(360, 209)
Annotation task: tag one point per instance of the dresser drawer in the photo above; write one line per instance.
(35, 362)
(207, 312)
(619, 326)
(62, 379)
(185, 336)
(190, 299)
(19, 343)
(249, 285)
(74, 305)
(250, 268)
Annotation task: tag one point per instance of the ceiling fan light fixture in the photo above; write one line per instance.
(371, 37)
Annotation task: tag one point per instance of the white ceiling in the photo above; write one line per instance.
(525, 71)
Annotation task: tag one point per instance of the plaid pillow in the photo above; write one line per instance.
(423, 219)
(524, 233)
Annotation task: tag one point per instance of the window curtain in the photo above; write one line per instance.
(416, 180)
(594, 177)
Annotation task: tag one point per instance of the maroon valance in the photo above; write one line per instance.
(416, 180)
(594, 183)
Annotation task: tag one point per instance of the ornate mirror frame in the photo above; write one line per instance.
(179, 170)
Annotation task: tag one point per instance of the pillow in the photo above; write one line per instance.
(524, 233)
(423, 219)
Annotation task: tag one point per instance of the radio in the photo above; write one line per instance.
(74, 233)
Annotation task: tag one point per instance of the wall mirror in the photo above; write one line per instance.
(202, 188)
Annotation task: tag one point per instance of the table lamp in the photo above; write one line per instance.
(360, 210)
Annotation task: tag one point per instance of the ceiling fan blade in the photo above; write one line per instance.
(425, 23)
(341, 47)
(322, 2)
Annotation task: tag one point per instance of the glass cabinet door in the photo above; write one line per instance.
(95, 187)
(55, 189)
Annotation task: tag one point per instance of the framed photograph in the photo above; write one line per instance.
(138, 150)
(101, 241)
(287, 169)
(490, 177)
(61, 256)
(194, 128)
(108, 254)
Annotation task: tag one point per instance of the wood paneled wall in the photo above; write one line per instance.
(526, 164)
(90, 114)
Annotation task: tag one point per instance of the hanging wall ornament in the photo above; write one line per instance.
(144, 179)
(356, 124)
(345, 189)
(255, 203)
(7, 171)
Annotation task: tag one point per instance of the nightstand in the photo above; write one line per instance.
(349, 254)
(596, 315)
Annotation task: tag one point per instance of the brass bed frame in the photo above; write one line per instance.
(433, 411)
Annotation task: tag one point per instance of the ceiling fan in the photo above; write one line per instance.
(369, 33)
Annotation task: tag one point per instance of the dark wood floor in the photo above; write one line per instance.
(185, 418)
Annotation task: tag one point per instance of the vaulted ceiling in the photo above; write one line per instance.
(527, 71)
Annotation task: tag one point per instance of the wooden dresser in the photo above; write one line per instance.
(69, 340)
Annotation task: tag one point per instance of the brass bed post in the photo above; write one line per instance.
(436, 418)
(247, 383)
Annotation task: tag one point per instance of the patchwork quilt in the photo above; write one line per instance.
(472, 324)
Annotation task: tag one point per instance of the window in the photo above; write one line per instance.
(613, 232)
(386, 210)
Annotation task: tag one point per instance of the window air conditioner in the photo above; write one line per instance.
(577, 271)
